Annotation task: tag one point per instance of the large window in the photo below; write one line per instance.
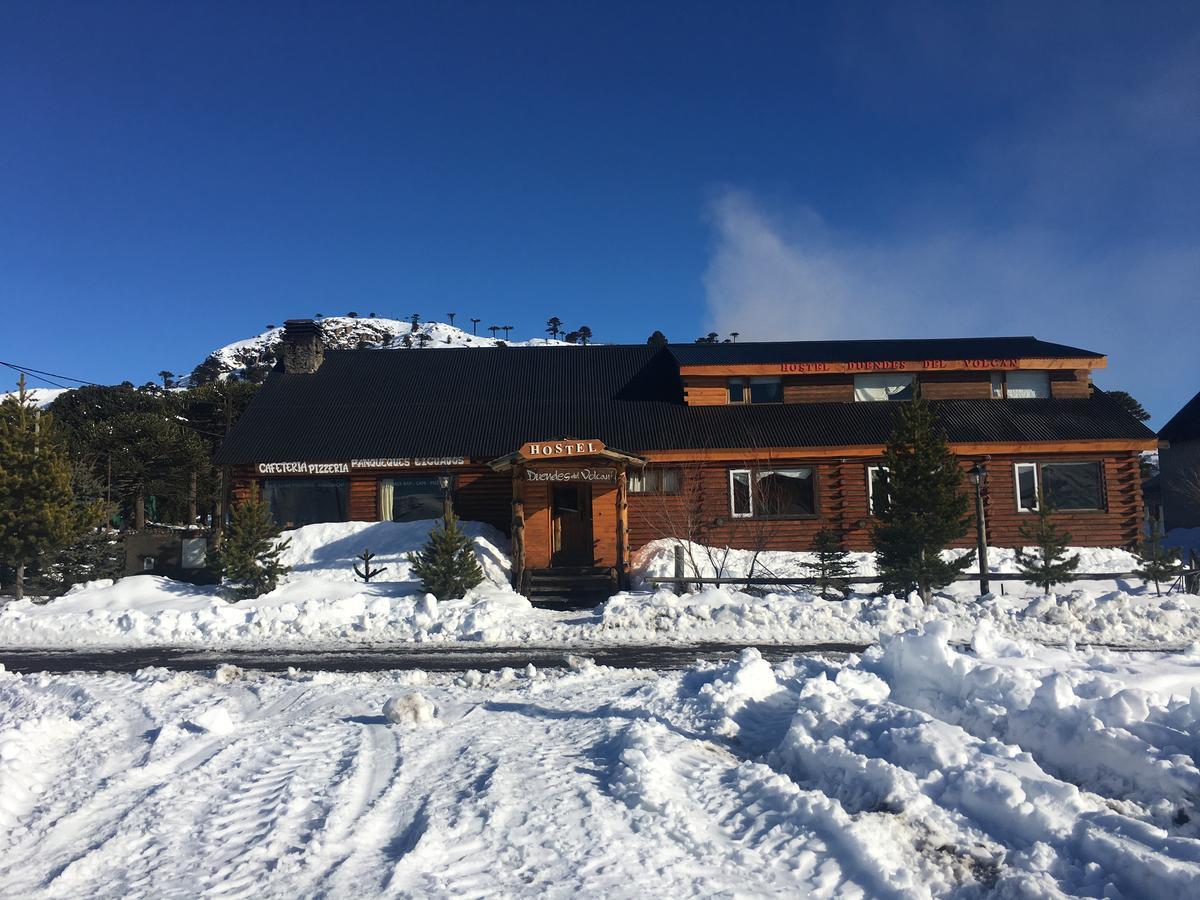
(305, 501)
(1066, 486)
(655, 481)
(772, 493)
(1021, 385)
(766, 389)
(409, 499)
(883, 386)
(877, 488)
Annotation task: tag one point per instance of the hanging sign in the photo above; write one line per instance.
(303, 468)
(560, 449)
(607, 476)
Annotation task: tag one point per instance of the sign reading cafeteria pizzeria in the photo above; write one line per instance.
(303, 468)
(560, 449)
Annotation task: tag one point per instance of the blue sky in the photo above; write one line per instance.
(176, 176)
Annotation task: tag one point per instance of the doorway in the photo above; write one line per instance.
(571, 525)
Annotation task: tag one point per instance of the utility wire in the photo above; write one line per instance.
(37, 377)
(29, 371)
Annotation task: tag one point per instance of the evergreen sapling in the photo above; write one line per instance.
(447, 565)
(1049, 564)
(367, 573)
(833, 568)
(924, 510)
(248, 559)
(1156, 562)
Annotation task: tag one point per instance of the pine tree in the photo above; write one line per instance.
(657, 339)
(38, 512)
(248, 558)
(585, 335)
(554, 327)
(925, 510)
(1156, 562)
(833, 568)
(1050, 564)
(447, 565)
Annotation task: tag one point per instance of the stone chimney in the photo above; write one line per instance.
(303, 347)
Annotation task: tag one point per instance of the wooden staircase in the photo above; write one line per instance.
(570, 587)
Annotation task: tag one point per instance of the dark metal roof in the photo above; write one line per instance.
(485, 402)
(868, 351)
(1185, 424)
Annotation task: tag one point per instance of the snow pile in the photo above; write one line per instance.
(321, 600)
(720, 613)
(409, 709)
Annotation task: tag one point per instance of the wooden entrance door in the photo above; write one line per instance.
(571, 525)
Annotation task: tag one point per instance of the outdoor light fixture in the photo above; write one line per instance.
(444, 481)
(978, 476)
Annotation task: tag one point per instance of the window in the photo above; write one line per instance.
(655, 481)
(1067, 486)
(877, 488)
(772, 493)
(883, 386)
(1075, 485)
(305, 501)
(764, 389)
(409, 499)
(1021, 385)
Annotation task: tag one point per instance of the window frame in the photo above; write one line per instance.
(913, 382)
(746, 384)
(1038, 465)
(752, 474)
(1000, 381)
(871, 470)
(652, 478)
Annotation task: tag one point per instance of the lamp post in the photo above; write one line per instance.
(978, 476)
(445, 480)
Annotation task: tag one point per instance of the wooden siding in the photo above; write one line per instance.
(604, 524)
(702, 506)
(1070, 383)
(705, 391)
(956, 385)
(818, 389)
(364, 496)
(537, 525)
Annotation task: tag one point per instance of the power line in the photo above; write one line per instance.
(37, 377)
(28, 371)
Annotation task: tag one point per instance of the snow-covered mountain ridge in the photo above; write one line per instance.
(251, 357)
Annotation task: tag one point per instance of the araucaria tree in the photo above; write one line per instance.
(248, 558)
(1157, 563)
(1050, 564)
(832, 568)
(447, 565)
(38, 513)
(924, 510)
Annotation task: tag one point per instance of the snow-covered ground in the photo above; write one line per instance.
(918, 770)
(321, 603)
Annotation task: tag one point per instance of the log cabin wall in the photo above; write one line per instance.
(604, 524)
(537, 525)
(702, 509)
(712, 390)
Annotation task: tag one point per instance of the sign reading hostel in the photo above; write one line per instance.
(560, 449)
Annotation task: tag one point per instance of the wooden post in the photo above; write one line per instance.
(518, 531)
(680, 587)
(622, 531)
(192, 501)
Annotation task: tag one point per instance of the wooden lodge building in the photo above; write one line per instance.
(583, 454)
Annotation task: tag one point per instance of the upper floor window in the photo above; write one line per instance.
(1066, 486)
(765, 389)
(1021, 385)
(655, 481)
(883, 386)
(768, 493)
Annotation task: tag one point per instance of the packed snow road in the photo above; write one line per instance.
(916, 770)
(429, 659)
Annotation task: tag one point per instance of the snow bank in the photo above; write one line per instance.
(320, 600)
